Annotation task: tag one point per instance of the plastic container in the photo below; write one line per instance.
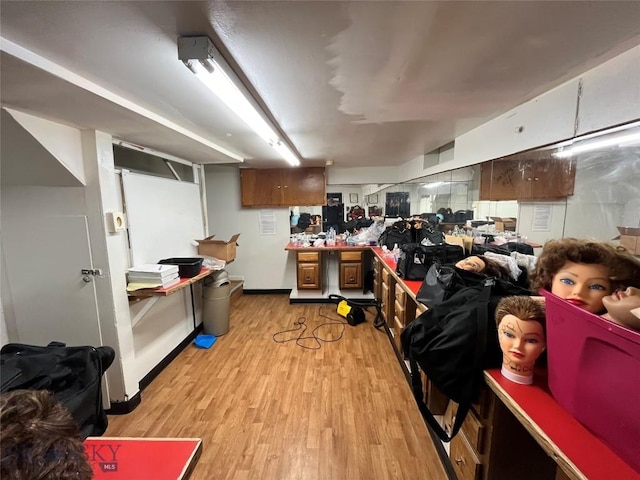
(188, 267)
(216, 293)
(594, 373)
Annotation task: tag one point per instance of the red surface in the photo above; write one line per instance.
(140, 458)
(413, 285)
(590, 455)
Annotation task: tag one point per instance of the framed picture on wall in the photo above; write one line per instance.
(372, 199)
(353, 197)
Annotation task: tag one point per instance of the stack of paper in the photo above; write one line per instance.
(152, 276)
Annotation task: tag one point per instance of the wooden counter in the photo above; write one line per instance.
(521, 431)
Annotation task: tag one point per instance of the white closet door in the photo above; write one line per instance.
(50, 299)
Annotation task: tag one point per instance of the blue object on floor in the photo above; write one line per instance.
(205, 341)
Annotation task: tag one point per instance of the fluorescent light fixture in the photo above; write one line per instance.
(622, 140)
(201, 57)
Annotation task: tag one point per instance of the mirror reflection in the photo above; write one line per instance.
(586, 187)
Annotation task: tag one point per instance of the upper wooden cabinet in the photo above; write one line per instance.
(539, 179)
(282, 187)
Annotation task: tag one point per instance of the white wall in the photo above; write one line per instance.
(261, 260)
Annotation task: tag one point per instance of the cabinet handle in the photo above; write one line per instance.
(278, 186)
(460, 461)
(286, 186)
(536, 179)
(352, 279)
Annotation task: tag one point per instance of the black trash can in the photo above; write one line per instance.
(216, 294)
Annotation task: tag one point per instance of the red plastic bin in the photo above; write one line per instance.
(594, 373)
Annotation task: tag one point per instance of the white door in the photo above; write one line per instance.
(51, 301)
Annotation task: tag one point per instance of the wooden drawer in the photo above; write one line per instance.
(385, 275)
(399, 312)
(401, 295)
(351, 256)
(465, 463)
(397, 330)
(472, 428)
(308, 257)
(384, 296)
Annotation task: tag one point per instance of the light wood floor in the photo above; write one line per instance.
(268, 410)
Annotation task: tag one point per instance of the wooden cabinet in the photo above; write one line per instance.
(282, 187)
(351, 270)
(309, 271)
(536, 179)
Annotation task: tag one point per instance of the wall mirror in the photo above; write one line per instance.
(583, 187)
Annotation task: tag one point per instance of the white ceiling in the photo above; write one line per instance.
(357, 83)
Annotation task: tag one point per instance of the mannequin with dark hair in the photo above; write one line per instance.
(485, 266)
(39, 439)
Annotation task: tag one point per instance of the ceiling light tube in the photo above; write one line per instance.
(200, 56)
(284, 150)
(608, 142)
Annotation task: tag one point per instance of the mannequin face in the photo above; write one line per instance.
(623, 307)
(472, 264)
(521, 342)
(583, 285)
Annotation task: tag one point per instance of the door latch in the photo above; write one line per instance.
(87, 271)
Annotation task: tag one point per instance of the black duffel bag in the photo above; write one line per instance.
(72, 374)
(415, 259)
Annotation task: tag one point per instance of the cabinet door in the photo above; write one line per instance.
(303, 186)
(552, 179)
(309, 276)
(501, 180)
(261, 187)
(350, 275)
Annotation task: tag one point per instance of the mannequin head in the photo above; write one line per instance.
(623, 307)
(583, 285)
(595, 268)
(522, 336)
(483, 265)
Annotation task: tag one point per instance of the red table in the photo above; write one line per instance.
(577, 451)
(124, 458)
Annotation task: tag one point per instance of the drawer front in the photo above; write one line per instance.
(385, 275)
(308, 256)
(399, 311)
(397, 331)
(472, 427)
(384, 295)
(401, 295)
(465, 463)
(351, 256)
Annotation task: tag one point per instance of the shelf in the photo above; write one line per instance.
(163, 292)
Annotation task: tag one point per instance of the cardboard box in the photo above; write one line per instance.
(218, 248)
(504, 224)
(592, 365)
(630, 239)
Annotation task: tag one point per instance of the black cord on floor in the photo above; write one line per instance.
(302, 327)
